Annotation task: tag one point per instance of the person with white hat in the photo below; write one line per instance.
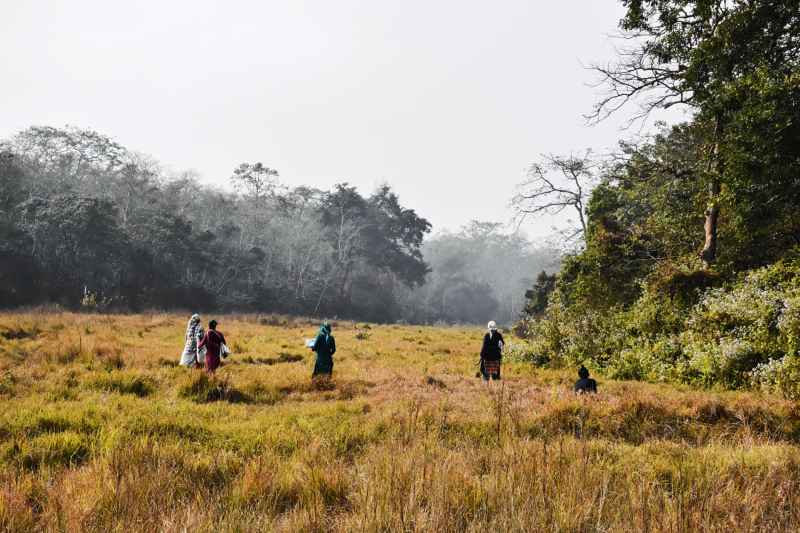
(491, 353)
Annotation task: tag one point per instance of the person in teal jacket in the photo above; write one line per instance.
(325, 346)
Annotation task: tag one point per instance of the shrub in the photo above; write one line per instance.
(781, 376)
(523, 352)
(683, 327)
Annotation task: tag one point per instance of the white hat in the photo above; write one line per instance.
(195, 317)
(492, 325)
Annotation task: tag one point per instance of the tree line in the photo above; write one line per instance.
(87, 223)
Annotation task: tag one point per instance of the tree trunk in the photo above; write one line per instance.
(709, 252)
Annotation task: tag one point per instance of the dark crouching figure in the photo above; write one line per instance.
(325, 346)
(585, 384)
(491, 353)
(214, 342)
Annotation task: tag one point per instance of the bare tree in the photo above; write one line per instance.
(555, 184)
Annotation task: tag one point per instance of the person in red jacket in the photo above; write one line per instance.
(212, 341)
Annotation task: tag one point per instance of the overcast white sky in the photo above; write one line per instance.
(448, 101)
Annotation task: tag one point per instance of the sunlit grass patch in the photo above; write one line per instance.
(402, 438)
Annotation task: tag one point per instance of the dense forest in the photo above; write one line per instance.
(87, 223)
(690, 261)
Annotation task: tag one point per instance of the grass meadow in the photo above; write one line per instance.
(100, 430)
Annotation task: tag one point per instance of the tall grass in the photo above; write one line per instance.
(99, 433)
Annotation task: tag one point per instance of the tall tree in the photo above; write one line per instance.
(255, 180)
(695, 53)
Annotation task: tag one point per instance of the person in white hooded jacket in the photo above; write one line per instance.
(192, 355)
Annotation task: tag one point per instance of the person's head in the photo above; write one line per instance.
(492, 325)
(212, 324)
(326, 327)
(583, 372)
(195, 318)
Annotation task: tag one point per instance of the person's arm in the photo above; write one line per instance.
(203, 341)
(485, 346)
(333, 345)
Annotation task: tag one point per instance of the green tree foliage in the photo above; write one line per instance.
(640, 301)
(76, 242)
(736, 64)
(537, 296)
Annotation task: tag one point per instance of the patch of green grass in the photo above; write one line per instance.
(65, 448)
(121, 383)
(203, 389)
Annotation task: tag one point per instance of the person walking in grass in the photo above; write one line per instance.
(214, 343)
(324, 346)
(585, 384)
(192, 356)
(491, 353)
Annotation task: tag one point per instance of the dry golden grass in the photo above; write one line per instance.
(101, 431)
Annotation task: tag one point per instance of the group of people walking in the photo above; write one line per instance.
(203, 348)
(208, 348)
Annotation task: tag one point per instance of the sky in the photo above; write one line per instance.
(447, 101)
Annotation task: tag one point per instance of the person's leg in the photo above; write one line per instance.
(212, 362)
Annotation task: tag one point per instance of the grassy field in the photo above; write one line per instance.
(101, 431)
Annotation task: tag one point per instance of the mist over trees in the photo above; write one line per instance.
(478, 273)
(85, 222)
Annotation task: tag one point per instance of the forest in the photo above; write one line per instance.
(89, 224)
(688, 263)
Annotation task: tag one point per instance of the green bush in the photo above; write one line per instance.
(780, 376)
(685, 327)
(523, 352)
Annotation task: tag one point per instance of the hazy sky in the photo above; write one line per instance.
(448, 101)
